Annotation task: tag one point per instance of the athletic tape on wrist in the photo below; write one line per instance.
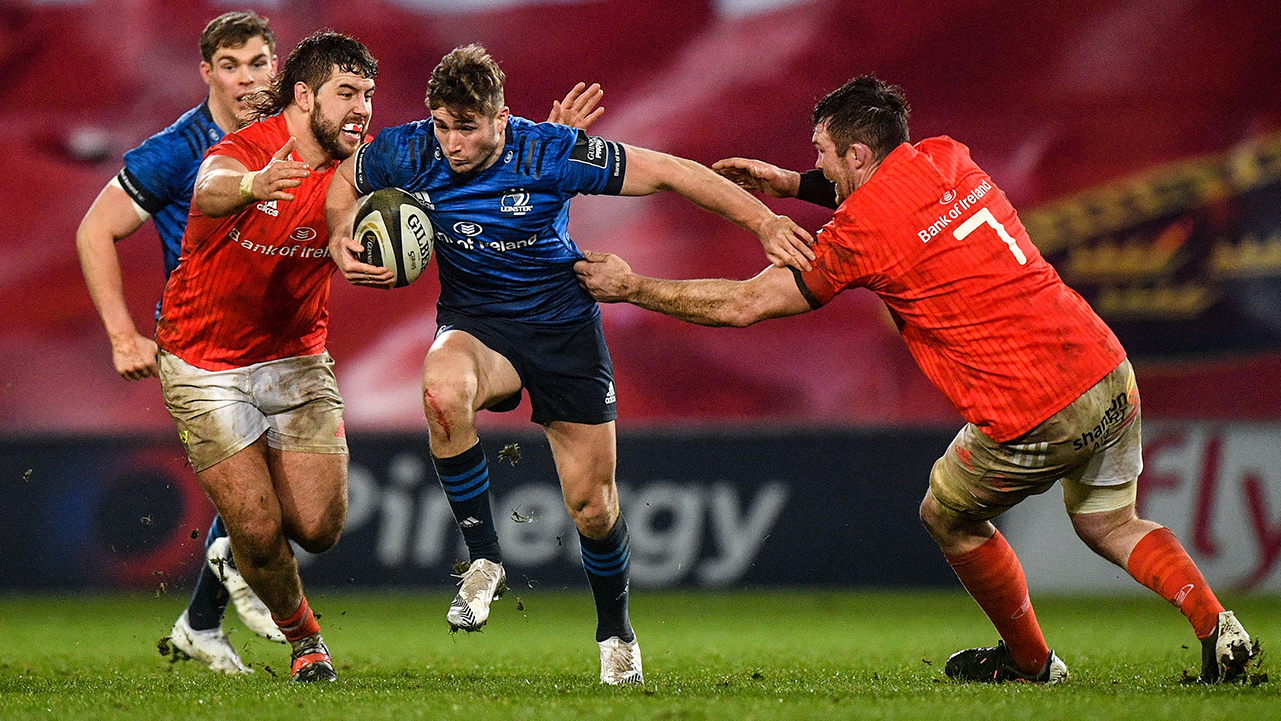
(247, 185)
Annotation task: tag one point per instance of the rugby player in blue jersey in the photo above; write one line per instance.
(511, 314)
(238, 51)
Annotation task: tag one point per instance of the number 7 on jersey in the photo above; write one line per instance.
(985, 216)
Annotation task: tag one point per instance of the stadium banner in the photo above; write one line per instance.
(1217, 486)
(1183, 260)
(711, 510)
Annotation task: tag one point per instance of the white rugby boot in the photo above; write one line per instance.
(209, 647)
(481, 583)
(252, 611)
(1227, 652)
(620, 661)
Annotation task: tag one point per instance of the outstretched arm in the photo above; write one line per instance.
(340, 215)
(773, 293)
(578, 109)
(648, 171)
(111, 218)
(777, 182)
(759, 176)
(225, 187)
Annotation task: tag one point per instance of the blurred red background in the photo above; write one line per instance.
(1053, 99)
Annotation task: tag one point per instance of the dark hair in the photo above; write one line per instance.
(467, 79)
(864, 110)
(233, 29)
(312, 63)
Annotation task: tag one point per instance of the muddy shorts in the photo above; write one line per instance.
(1094, 446)
(294, 401)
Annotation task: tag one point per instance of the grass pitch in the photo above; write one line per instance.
(761, 655)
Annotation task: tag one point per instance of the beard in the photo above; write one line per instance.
(328, 135)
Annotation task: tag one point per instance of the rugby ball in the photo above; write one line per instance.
(396, 234)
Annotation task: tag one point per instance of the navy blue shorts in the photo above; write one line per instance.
(567, 371)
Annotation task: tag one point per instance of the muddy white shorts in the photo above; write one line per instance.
(1094, 446)
(295, 401)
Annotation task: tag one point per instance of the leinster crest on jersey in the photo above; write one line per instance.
(516, 202)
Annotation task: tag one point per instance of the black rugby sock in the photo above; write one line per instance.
(465, 478)
(606, 562)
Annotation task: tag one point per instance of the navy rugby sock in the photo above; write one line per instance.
(606, 563)
(465, 478)
(209, 599)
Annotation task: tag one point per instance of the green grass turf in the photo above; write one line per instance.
(794, 654)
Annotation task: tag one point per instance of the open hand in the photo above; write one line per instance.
(279, 174)
(759, 176)
(578, 109)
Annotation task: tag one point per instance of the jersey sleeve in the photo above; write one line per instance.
(390, 160)
(242, 150)
(838, 263)
(592, 166)
(155, 173)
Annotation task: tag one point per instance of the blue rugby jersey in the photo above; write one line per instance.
(502, 242)
(160, 174)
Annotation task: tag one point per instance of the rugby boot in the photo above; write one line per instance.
(994, 664)
(481, 583)
(252, 611)
(311, 661)
(209, 647)
(620, 661)
(1227, 652)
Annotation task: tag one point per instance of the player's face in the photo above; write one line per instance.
(470, 141)
(236, 73)
(340, 113)
(836, 168)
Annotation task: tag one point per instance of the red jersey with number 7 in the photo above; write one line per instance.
(988, 320)
(254, 286)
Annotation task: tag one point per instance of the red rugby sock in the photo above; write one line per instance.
(1159, 562)
(300, 625)
(993, 576)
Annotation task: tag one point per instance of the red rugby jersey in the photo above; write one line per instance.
(253, 286)
(985, 316)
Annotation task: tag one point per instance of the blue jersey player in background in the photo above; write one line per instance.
(511, 314)
(238, 50)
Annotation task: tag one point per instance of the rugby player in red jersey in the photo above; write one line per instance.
(244, 317)
(239, 57)
(1043, 383)
(242, 330)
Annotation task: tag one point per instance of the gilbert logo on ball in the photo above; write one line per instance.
(396, 234)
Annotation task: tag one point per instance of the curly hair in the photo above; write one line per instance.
(467, 79)
(313, 63)
(864, 110)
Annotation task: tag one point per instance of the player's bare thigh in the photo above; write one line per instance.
(242, 490)
(461, 376)
(311, 489)
(586, 456)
